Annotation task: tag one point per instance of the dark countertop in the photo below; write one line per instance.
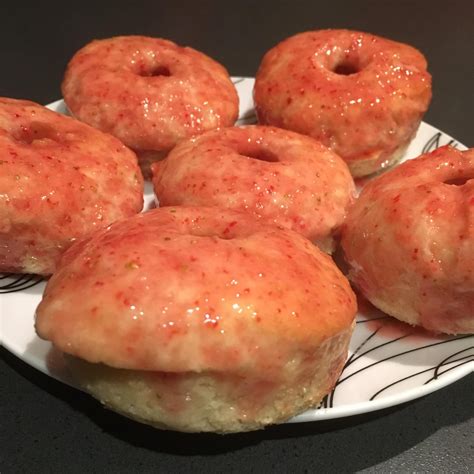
(48, 427)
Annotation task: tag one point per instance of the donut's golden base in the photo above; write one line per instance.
(211, 401)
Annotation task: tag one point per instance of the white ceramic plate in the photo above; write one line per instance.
(389, 363)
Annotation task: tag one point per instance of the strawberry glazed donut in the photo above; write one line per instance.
(200, 319)
(359, 94)
(276, 175)
(410, 241)
(60, 180)
(148, 92)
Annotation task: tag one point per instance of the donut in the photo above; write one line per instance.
(200, 319)
(148, 92)
(60, 180)
(359, 94)
(276, 175)
(409, 240)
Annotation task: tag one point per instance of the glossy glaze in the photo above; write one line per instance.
(410, 241)
(275, 175)
(359, 94)
(193, 290)
(148, 92)
(60, 180)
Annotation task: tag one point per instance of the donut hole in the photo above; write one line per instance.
(346, 67)
(459, 180)
(36, 131)
(156, 71)
(257, 153)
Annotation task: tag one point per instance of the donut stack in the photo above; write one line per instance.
(222, 310)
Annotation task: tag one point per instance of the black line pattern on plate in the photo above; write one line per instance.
(357, 355)
(328, 401)
(400, 354)
(463, 359)
(435, 142)
(445, 361)
(359, 347)
(13, 282)
(324, 403)
(330, 397)
(353, 359)
(238, 80)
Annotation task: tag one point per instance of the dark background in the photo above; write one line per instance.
(47, 427)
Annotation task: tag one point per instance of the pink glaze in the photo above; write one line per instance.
(195, 289)
(359, 94)
(148, 92)
(410, 241)
(275, 175)
(60, 180)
